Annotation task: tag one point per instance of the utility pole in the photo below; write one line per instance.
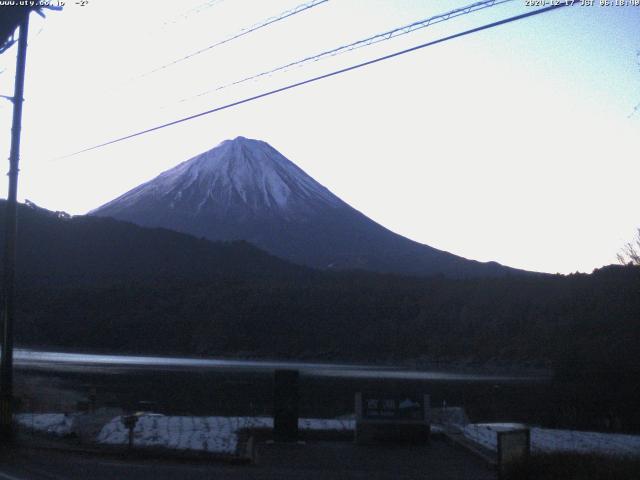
(6, 367)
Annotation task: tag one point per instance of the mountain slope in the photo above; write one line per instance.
(57, 250)
(246, 190)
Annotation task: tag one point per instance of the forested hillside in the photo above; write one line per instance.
(92, 283)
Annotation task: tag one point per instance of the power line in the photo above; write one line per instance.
(326, 75)
(245, 31)
(380, 37)
(187, 13)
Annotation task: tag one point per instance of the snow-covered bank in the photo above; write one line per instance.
(187, 433)
(207, 434)
(221, 435)
(59, 424)
(545, 440)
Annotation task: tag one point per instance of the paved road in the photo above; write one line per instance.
(315, 460)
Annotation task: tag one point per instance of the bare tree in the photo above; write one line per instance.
(630, 254)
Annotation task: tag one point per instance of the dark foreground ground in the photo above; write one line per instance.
(313, 460)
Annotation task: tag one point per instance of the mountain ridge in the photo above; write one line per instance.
(55, 248)
(244, 189)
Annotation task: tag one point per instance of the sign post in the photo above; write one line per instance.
(514, 447)
(130, 422)
(286, 401)
(404, 418)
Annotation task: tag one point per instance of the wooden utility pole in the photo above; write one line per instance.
(8, 296)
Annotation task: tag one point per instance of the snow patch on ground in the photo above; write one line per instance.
(326, 424)
(60, 424)
(545, 440)
(208, 434)
(221, 434)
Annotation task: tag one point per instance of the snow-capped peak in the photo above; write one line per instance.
(242, 170)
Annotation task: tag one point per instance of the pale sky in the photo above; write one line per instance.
(513, 144)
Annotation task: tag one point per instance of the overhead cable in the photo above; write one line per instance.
(380, 37)
(187, 13)
(245, 31)
(326, 75)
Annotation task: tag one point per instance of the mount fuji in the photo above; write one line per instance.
(244, 189)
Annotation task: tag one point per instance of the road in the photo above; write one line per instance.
(315, 460)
